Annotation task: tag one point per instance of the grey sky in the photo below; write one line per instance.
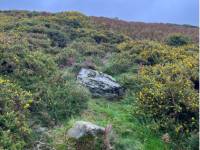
(166, 11)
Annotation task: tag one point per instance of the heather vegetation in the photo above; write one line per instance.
(41, 54)
(150, 31)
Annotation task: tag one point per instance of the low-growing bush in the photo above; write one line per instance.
(65, 98)
(87, 49)
(15, 132)
(38, 72)
(119, 63)
(167, 94)
(178, 40)
(67, 57)
(58, 38)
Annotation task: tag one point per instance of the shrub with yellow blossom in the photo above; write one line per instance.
(14, 127)
(168, 95)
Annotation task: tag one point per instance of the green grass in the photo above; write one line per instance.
(128, 133)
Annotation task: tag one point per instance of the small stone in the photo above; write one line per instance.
(83, 129)
(41, 129)
(166, 138)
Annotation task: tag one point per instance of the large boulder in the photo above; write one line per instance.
(83, 129)
(100, 84)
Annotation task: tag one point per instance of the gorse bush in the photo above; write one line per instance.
(165, 81)
(136, 52)
(149, 53)
(58, 38)
(14, 109)
(178, 40)
(64, 98)
(169, 97)
(38, 72)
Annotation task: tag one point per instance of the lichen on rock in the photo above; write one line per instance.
(100, 84)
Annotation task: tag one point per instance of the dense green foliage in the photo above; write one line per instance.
(160, 65)
(14, 104)
(166, 81)
(177, 40)
(41, 54)
(169, 97)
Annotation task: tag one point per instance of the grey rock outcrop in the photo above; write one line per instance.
(100, 84)
(83, 129)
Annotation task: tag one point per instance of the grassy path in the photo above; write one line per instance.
(129, 133)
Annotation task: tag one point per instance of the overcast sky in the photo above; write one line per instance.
(165, 11)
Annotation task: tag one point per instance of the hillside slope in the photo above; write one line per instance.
(148, 31)
(40, 99)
